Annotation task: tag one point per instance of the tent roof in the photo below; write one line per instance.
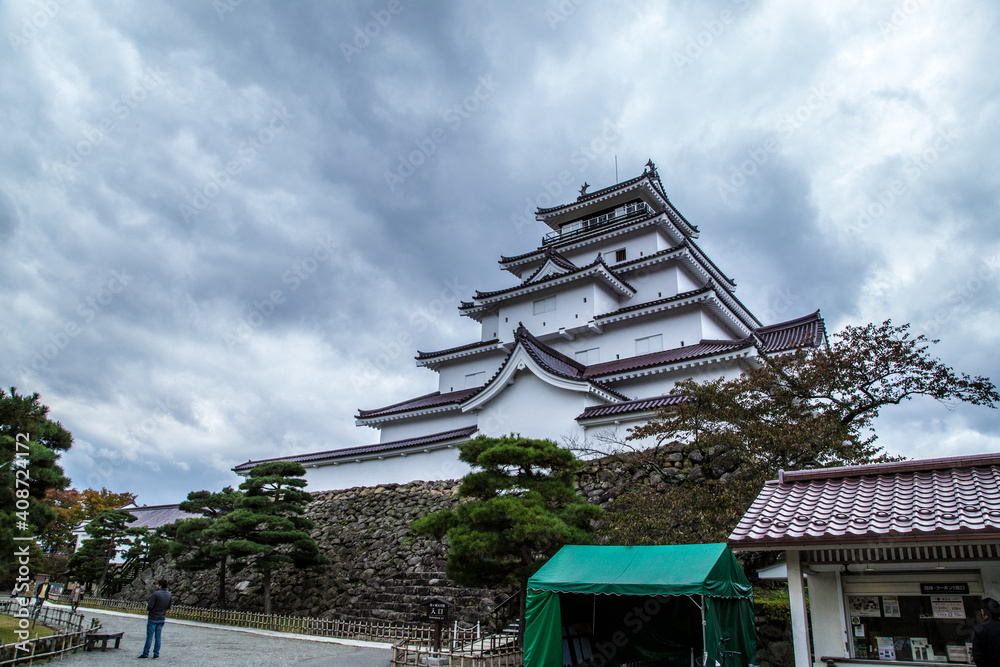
(685, 569)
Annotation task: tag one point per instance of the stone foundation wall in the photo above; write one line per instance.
(380, 569)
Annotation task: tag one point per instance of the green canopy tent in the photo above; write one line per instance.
(641, 604)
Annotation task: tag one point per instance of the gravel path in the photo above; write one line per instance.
(197, 644)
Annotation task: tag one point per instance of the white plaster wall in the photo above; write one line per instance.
(571, 310)
(490, 327)
(826, 621)
(652, 284)
(452, 374)
(619, 338)
(413, 428)
(662, 383)
(686, 282)
(535, 409)
(712, 329)
(437, 464)
(637, 244)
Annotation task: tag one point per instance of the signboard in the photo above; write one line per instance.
(437, 610)
(948, 589)
(947, 606)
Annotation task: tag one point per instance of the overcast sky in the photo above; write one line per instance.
(225, 227)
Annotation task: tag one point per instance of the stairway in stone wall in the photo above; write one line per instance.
(405, 596)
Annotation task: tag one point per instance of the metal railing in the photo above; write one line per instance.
(502, 651)
(580, 227)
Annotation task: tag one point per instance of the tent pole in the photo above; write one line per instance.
(593, 621)
(704, 641)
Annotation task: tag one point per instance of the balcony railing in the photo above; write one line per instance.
(579, 228)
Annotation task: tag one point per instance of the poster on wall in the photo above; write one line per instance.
(890, 606)
(922, 650)
(864, 605)
(886, 649)
(947, 606)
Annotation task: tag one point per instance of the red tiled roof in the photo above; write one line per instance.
(452, 350)
(557, 259)
(431, 400)
(808, 331)
(553, 361)
(658, 302)
(599, 262)
(910, 501)
(705, 348)
(638, 405)
(368, 449)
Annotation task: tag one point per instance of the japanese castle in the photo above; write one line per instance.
(616, 305)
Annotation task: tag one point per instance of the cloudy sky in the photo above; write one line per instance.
(226, 226)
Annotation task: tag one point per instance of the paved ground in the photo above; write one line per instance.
(186, 643)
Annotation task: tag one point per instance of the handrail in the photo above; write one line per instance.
(635, 209)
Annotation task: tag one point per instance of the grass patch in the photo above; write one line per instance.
(8, 625)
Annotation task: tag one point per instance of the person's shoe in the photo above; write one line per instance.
(139, 657)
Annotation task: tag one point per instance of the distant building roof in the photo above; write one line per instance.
(910, 501)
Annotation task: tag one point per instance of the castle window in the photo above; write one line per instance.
(620, 255)
(588, 357)
(649, 344)
(544, 305)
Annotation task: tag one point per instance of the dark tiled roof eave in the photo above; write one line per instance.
(700, 350)
(908, 501)
(433, 399)
(380, 448)
(629, 407)
(599, 263)
(460, 348)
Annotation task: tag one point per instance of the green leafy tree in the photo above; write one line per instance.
(199, 543)
(807, 409)
(518, 506)
(108, 534)
(30, 447)
(266, 528)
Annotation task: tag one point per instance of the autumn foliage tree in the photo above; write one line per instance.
(806, 409)
(72, 508)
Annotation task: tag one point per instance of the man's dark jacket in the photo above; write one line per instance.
(158, 605)
(986, 644)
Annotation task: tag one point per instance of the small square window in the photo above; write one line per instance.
(545, 305)
(620, 255)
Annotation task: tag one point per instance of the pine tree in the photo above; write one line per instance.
(202, 543)
(266, 528)
(518, 506)
(108, 533)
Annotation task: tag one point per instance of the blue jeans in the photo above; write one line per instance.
(153, 629)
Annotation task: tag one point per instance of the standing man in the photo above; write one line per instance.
(986, 635)
(157, 607)
(74, 598)
(41, 593)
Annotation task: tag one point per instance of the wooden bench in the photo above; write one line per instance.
(104, 638)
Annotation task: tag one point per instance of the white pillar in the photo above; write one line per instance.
(797, 605)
